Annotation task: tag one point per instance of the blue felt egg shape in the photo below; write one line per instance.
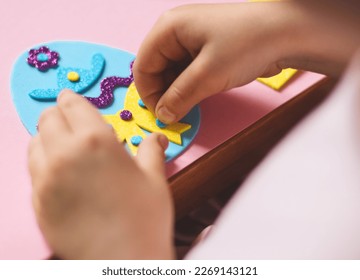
(39, 75)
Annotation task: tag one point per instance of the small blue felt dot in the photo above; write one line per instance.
(160, 123)
(141, 103)
(42, 57)
(136, 140)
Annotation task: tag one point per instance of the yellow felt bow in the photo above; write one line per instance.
(141, 118)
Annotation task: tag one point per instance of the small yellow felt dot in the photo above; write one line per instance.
(73, 76)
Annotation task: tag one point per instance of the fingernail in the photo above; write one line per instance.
(164, 142)
(165, 115)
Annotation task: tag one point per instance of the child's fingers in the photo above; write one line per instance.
(79, 113)
(53, 128)
(159, 49)
(151, 154)
(198, 81)
(36, 158)
(150, 87)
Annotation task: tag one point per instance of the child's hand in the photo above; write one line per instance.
(198, 50)
(92, 199)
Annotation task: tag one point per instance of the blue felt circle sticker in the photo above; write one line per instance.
(100, 67)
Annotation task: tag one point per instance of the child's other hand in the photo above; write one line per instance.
(91, 198)
(196, 51)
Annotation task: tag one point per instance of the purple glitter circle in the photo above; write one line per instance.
(126, 115)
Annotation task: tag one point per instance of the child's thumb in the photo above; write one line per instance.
(151, 154)
(188, 89)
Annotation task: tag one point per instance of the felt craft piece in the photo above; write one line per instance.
(43, 58)
(103, 76)
(146, 120)
(127, 122)
(125, 130)
(76, 79)
(278, 81)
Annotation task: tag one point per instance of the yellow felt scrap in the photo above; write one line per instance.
(146, 120)
(278, 81)
(141, 118)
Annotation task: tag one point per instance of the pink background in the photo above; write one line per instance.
(117, 23)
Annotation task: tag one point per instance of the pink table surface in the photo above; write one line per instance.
(116, 23)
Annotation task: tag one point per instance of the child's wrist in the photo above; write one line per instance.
(307, 44)
(289, 37)
(282, 35)
(299, 37)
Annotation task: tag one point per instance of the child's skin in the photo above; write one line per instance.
(218, 47)
(92, 199)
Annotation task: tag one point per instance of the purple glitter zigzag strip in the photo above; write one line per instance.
(107, 87)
